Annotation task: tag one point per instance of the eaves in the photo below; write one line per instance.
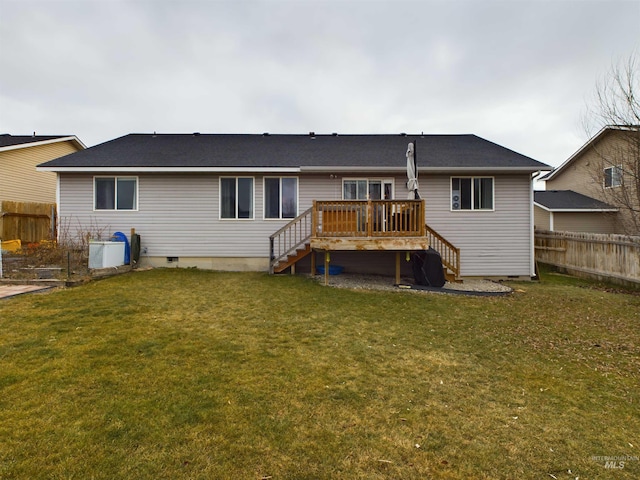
(576, 210)
(19, 146)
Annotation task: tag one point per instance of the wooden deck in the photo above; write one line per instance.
(354, 225)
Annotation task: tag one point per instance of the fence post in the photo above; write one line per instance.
(52, 223)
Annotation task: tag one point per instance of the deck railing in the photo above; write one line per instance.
(368, 218)
(449, 253)
(290, 237)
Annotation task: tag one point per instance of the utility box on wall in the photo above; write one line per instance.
(106, 254)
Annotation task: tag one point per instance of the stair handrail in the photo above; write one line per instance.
(449, 253)
(290, 237)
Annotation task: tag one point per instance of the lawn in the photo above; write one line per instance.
(194, 374)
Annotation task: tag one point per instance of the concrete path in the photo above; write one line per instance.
(11, 290)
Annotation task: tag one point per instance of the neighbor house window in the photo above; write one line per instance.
(363, 189)
(613, 177)
(280, 197)
(236, 197)
(472, 193)
(115, 193)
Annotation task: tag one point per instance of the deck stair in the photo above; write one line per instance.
(449, 253)
(291, 259)
(291, 243)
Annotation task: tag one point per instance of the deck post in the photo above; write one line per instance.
(326, 267)
(314, 219)
(313, 262)
(398, 267)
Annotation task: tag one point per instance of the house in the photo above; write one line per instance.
(569, 211)
(19, 155)
(265, 202)
(26, 195)
(604, 169)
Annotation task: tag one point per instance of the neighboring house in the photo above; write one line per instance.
(601, 169)
(26, 195)
(565, 210)
(19, 155)
(214, 201)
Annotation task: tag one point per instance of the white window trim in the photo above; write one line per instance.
(253, 199)
(264, 197)
(116, 177)
(371, 179)
(613, 168)
(472, 177)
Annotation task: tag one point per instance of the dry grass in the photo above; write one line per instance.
(191, 374)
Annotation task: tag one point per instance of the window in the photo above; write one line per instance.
(613, 177)
(280, 197)
(361, 189)
(115, 193)
(236, 197)
(472, 193)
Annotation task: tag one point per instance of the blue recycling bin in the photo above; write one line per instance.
(121, 237)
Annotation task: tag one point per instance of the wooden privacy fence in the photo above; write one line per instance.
(603, 257)
(28, 222)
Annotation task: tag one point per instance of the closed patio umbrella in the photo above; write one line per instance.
(412, 172)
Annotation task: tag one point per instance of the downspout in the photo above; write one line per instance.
(532, 251)
(57, 219)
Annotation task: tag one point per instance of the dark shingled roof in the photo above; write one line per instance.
(568, 200)
(293, 151)
(7, 140)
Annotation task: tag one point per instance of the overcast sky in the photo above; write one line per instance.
(518, 73)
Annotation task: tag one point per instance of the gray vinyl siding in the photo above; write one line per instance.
(492, 243)
(496, 243)
(178, 215)
(329, 187)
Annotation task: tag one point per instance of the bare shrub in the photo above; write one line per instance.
(66, 258)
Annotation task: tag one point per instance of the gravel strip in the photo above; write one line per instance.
(379, 282)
